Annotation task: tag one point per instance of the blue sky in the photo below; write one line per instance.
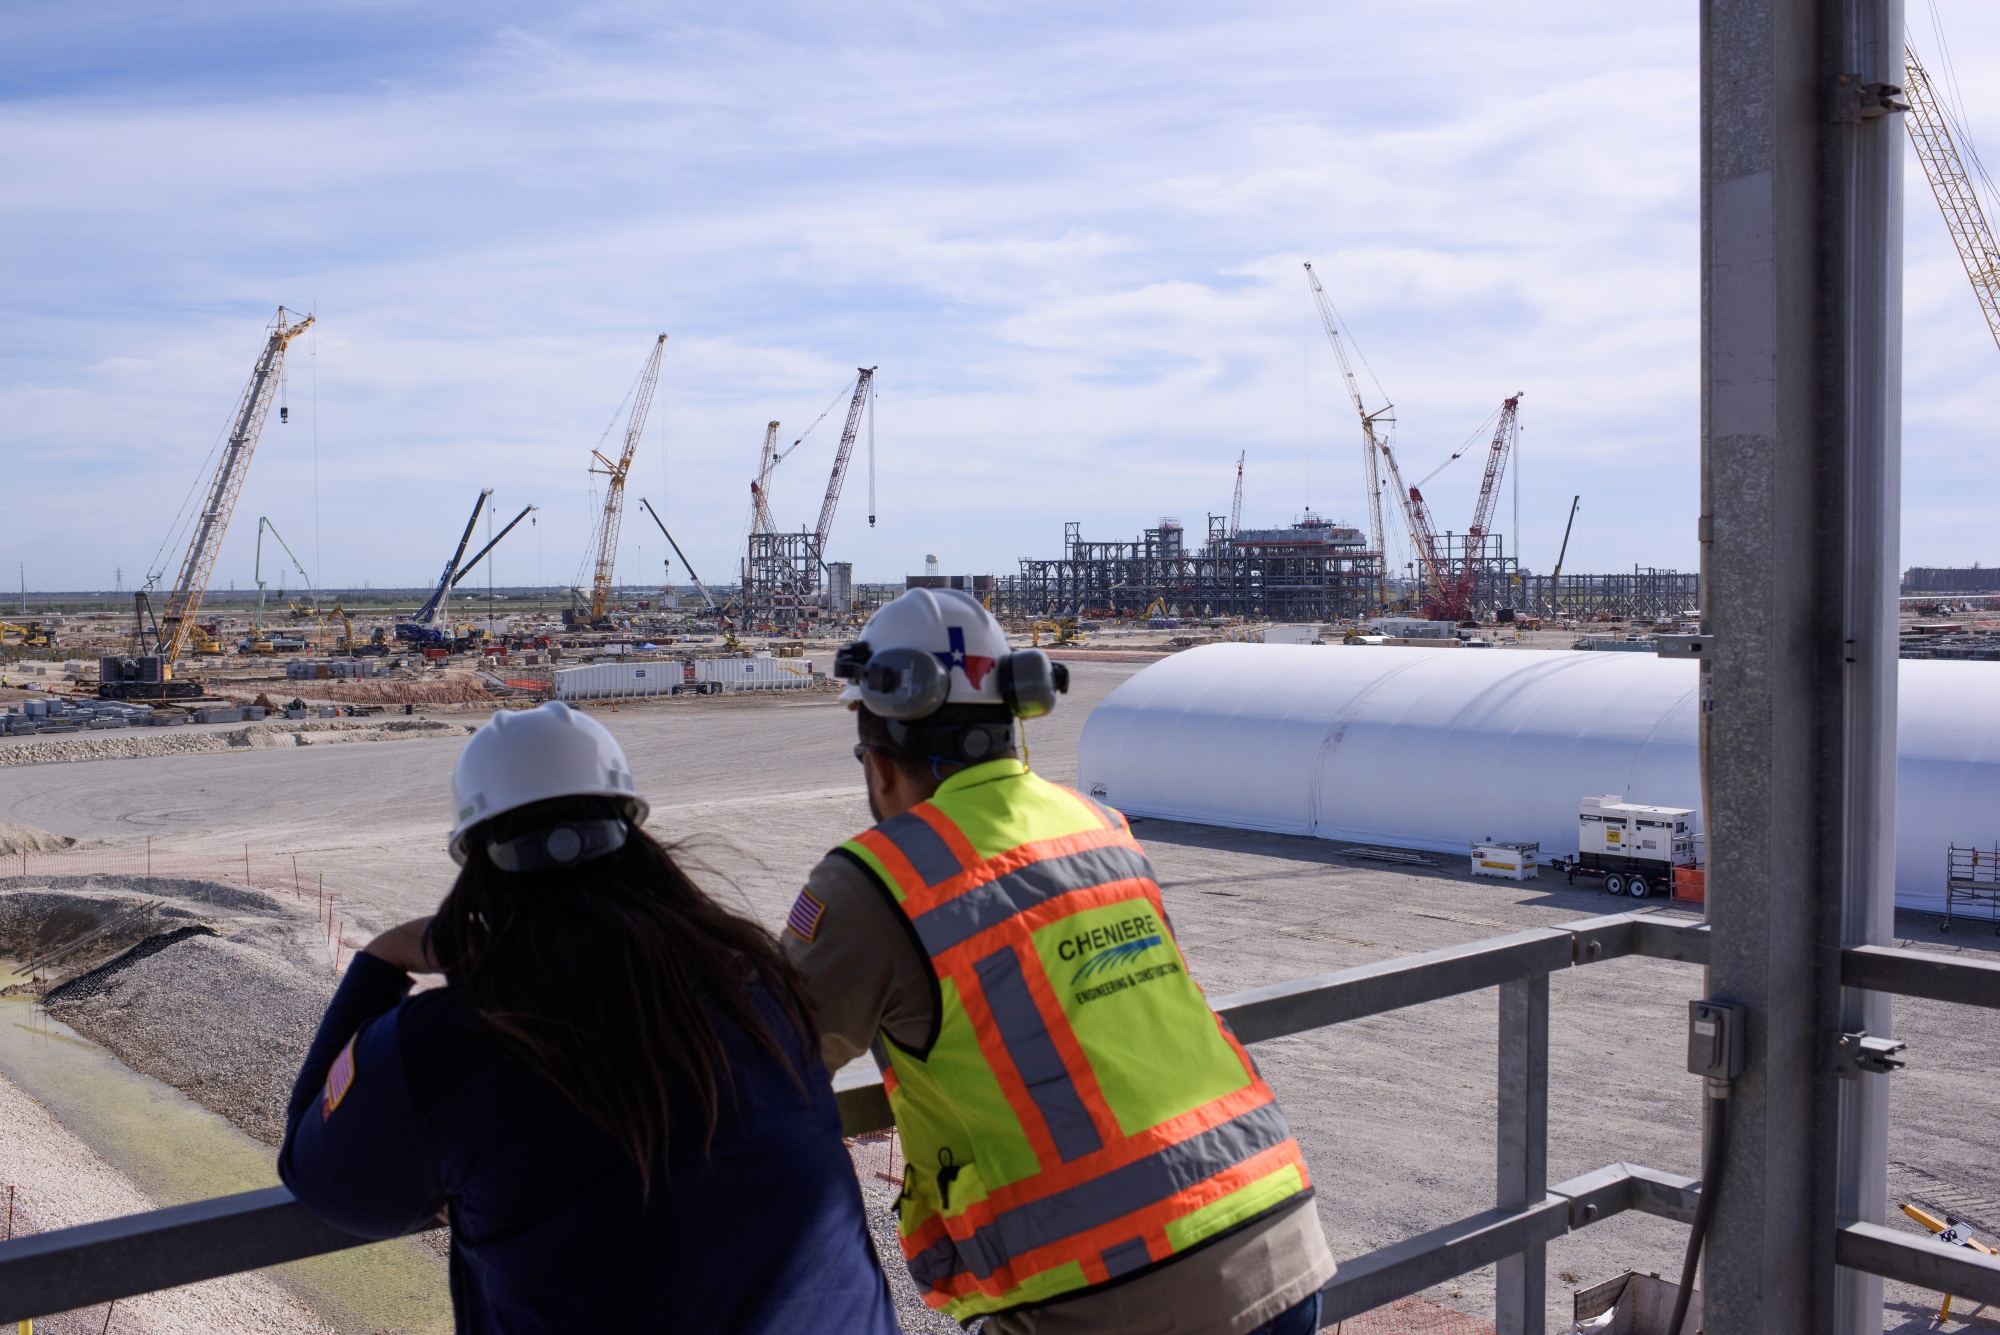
(1070, 236)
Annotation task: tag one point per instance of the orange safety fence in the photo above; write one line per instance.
(278, 874)
(878, 1156)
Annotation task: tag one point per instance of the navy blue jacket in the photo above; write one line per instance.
(426, 1111)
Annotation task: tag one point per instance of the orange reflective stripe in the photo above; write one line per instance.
(1110, 1207)
(921, 898)
(993, 1046)
(1061, 1178)
(893, 860)
(1053, 910)
(1088, 1246)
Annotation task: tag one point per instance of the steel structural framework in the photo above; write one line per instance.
(781, 580)
(1310, 571)
(118, 1258)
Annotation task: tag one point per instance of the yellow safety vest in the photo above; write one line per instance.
(1079, 1113)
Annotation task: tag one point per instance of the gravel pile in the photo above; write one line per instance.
(223, 1021)
(143, 742)
(213, 989)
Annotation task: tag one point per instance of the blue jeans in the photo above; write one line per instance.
(1300, 1320)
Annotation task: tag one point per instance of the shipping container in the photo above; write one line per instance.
(764, 672)
(606, 681)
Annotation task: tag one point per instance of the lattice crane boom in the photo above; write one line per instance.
(1957, 198)
(1454, 600)
(864, 385)
(1371, 444)
(1236, 505)
(760, 489)
(176, 627)
(614, 488)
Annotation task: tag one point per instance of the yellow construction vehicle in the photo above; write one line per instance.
(32, 635)
(202, 639)
(377, 644)
(1066, 631)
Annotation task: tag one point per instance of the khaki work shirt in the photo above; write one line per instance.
(866, 976)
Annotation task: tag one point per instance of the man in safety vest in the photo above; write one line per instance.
(1088, 1148)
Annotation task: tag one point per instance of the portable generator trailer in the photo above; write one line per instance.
(1635, 848)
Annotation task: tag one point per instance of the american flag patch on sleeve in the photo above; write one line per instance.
(803, 921)
(338, 1081)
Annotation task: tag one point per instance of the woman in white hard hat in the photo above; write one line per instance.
(615, 1100)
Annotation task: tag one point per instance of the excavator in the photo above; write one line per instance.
(1066, 631)
(376, 647)
(32, 635)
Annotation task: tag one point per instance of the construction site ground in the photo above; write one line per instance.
(1395, 1113)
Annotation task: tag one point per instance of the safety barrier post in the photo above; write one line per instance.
(1521, 1280)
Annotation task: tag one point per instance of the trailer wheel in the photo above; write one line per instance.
(1614, 884)
(1636, 887)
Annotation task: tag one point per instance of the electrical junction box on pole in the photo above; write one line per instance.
(1514, 862)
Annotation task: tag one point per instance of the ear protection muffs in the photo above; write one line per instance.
(896, 683)
(1030, 681)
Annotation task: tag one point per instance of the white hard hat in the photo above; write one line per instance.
(950, 626)
(527, 756)
(936, 647)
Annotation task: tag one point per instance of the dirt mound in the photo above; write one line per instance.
(16, 838)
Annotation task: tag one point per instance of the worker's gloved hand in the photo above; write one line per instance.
(404, 946)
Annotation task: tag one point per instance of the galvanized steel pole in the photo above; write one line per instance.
(1801, 310)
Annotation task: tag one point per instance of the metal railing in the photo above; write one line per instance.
(119, 1258)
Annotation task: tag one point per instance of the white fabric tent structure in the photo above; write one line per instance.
(1434, 748)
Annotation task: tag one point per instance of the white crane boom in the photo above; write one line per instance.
(1371, 444)
(864, 385)
(1958, 200)
(760, 490)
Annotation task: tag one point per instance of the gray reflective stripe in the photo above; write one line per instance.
(923, 846)
(1034, 1055)
(967, 915)
(1119, 1192)
(1109, 817)
(1126, 1257)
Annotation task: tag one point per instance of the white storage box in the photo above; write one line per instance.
(1513, 862)
(760, 673)
(607, 681)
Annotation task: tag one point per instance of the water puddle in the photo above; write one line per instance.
(177, 1151)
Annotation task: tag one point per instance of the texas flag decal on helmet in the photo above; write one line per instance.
(974, 666)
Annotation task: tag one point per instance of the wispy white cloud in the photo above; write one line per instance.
(1069, 235)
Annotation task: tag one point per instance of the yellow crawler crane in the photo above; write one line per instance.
(606, 538)
(177, 630)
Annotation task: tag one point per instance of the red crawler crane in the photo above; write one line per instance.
(1453, 601)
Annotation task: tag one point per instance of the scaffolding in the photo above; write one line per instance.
(1311, 570)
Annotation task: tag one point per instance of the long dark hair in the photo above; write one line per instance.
(606, 978)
